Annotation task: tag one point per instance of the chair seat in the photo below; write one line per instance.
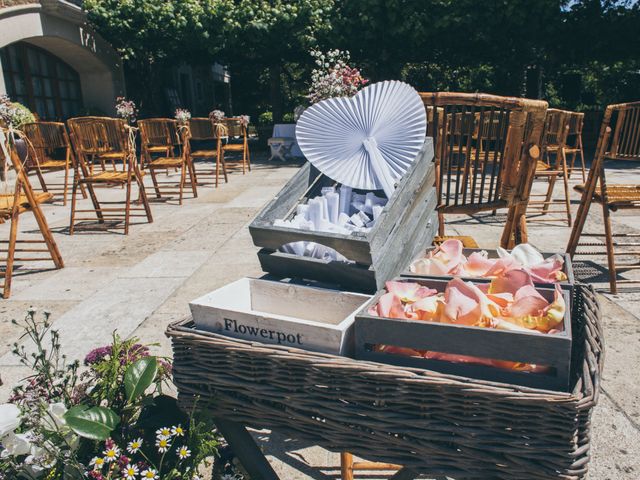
(467, 242)
(111, 155)
(234, 147)
(53, 164)
(618, 196)
(165, 162)
(6, 202)
(204, 153)
(158, 148)
(107, 177)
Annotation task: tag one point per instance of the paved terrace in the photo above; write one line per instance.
(140, 283)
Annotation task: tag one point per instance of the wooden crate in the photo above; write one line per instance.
(567, 268)
(406, 225)
(540, 349)
(281, 313)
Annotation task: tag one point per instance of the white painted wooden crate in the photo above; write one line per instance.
(279, 313)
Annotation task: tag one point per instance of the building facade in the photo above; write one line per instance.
(53, 63)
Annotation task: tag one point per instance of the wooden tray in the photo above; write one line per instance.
(406, 225)
(541, 349)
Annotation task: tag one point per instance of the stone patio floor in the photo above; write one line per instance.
(139, 283)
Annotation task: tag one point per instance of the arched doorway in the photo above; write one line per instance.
(41, 81)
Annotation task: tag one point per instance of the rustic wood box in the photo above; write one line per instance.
(541, 349)
(405, 226)
(279, 313)
(567, 268)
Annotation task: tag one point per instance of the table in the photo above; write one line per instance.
(288, 130)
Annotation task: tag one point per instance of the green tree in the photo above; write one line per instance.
(270, 39)
(154, 34)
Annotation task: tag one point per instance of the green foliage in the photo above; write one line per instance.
(265, 118)
(139, 376)
(95, 423)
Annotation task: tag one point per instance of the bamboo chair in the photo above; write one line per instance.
(486, 164)
(87, 135)
(23, 199)
(619, 140)
(157, 136)
(44, 140)
(99, 144)
(203, 130)
(236, 130)
(574, 143)
(164, 131)
(553, 165)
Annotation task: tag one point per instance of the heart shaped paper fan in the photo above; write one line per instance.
(367, 141)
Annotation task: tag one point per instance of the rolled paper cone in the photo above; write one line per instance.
(358, 206)
(343, 219)
(356, 220)
(357, 197)
(326, 190)
(370, 224)
(364, 217)
(302, 210)
(377, 210)
(315, 212)
(333, 205)
(369, 202)
(325, 207)
(345, 199)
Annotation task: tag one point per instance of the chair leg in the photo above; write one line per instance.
(248, 157)
(192, 176)
(74, 191)
(217, 169)
(41, 179)
(567, 194)
(224, 168)
(440, 224)
(346, 466)
(127, 208)
(142, 193)
(610, 248)
(156, 187)
(66, 183)
(584, 168)
(11, 251)
(548, 198)
(183, 174)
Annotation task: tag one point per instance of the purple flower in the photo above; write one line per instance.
(97, 355)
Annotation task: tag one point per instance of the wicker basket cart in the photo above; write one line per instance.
(430, 423)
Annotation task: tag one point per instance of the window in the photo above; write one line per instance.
(41, 81)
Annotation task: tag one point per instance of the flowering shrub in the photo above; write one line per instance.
(14, 114)
(216, 115)
(108, 422)
(182, 115)
(333, 76)
(126, 109)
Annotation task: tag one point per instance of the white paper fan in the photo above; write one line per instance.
(367, 141)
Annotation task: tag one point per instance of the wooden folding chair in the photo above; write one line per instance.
(47, 142)
(164, 131)
(12, 205)
(486, 149)
(157, 137)
(553, 165)
(203, 132)
(619, 140)
(99, 144)
(574, 146)
(237, 142)
(115, 133)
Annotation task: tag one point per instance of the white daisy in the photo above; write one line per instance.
(163, 432)
(134, 445)
(97, 463)
(129, 472)
(150, 474)
(177, 431)
(111, 454)
(183, 452)
(163, 444)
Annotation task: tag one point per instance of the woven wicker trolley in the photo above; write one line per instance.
(432, 424)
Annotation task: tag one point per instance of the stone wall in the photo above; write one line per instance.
(13, 3)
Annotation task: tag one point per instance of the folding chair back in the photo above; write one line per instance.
(234, 128)
(481, 162)
(99, 136)
(159, 132)
(624, 121)
(556, 129)
(47, 135)
(202, 129)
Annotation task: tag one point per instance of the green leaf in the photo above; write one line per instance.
(95, 423)
(139, 376)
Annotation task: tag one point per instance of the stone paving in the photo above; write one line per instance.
(139, 283)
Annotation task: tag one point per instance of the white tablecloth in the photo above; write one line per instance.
(288, 130)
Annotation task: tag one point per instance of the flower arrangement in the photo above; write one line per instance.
(449, 259)
(216, 115)
(510, 302)
(182, 116)
(126, 109)
(14, 114)
(333, 76)
(108, 422)
(244, 120)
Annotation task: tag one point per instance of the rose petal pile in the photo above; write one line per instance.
(509, 302)
(449, 259)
